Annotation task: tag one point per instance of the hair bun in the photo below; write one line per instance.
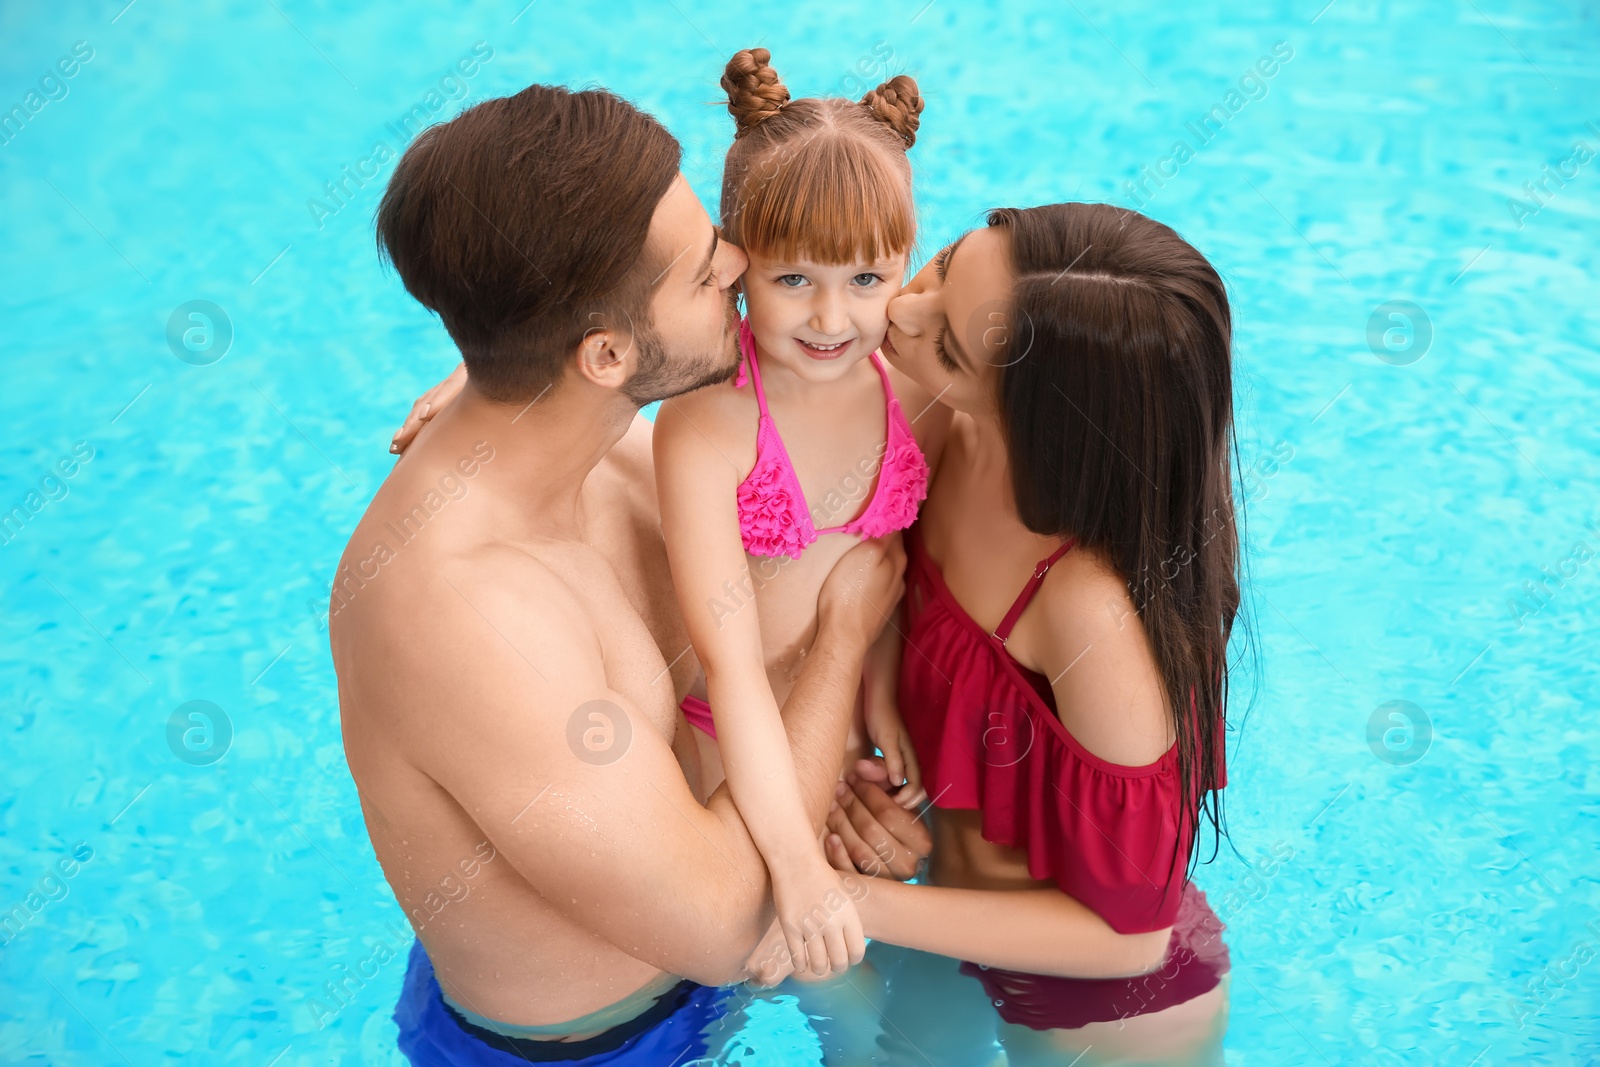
(897, 103)
(754, 92)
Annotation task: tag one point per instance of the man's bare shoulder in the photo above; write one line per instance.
(484, 615)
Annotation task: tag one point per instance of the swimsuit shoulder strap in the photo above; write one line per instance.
(747, 345)
(1003, 631)
(883, 372)
(897, 414)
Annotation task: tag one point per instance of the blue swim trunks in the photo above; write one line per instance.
(432, 1034)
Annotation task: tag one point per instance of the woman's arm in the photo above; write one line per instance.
(1040, 931)
(1105, 695)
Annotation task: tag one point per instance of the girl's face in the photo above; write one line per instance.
(819, 320)
(950, 329)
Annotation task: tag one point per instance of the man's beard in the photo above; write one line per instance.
(659, 377)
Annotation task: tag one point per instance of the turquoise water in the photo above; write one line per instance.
(1406, 475)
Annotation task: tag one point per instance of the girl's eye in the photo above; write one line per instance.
(943, 356)
(798, 280)
(939, 261)
(870, 279)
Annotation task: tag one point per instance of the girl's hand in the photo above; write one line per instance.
(888, 732)
(820, 925)
(427, 406)
(770, 964)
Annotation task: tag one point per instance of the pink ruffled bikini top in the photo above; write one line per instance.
(773, 517)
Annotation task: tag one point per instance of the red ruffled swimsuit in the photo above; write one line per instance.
(988, 738)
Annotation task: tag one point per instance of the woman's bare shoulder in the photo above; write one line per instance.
(1089, 640)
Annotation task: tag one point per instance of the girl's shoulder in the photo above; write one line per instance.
(719, 416)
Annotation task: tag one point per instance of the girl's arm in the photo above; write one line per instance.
(697, 485)
(884, 723)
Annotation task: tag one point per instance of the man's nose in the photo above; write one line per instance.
(738, 263)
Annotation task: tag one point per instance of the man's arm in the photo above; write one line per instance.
(512, 715)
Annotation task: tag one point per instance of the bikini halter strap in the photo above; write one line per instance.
(747, 346)
(1003, 631)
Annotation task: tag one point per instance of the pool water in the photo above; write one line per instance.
(207, 362)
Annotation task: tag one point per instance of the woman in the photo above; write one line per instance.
(1071, 588)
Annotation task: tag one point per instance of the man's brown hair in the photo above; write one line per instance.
(522, 224)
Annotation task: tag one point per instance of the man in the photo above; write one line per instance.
(509, 655)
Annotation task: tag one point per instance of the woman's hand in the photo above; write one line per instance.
(428, 405)
(872, 834)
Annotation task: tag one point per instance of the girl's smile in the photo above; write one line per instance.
(821, 351)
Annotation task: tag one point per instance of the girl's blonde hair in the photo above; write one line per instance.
(820, 178)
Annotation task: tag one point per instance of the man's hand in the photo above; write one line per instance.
(427, 406)
(863, 587)
(872, 834)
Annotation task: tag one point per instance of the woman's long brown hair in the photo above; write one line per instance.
(1118, 406)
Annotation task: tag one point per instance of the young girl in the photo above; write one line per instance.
(765, 481)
